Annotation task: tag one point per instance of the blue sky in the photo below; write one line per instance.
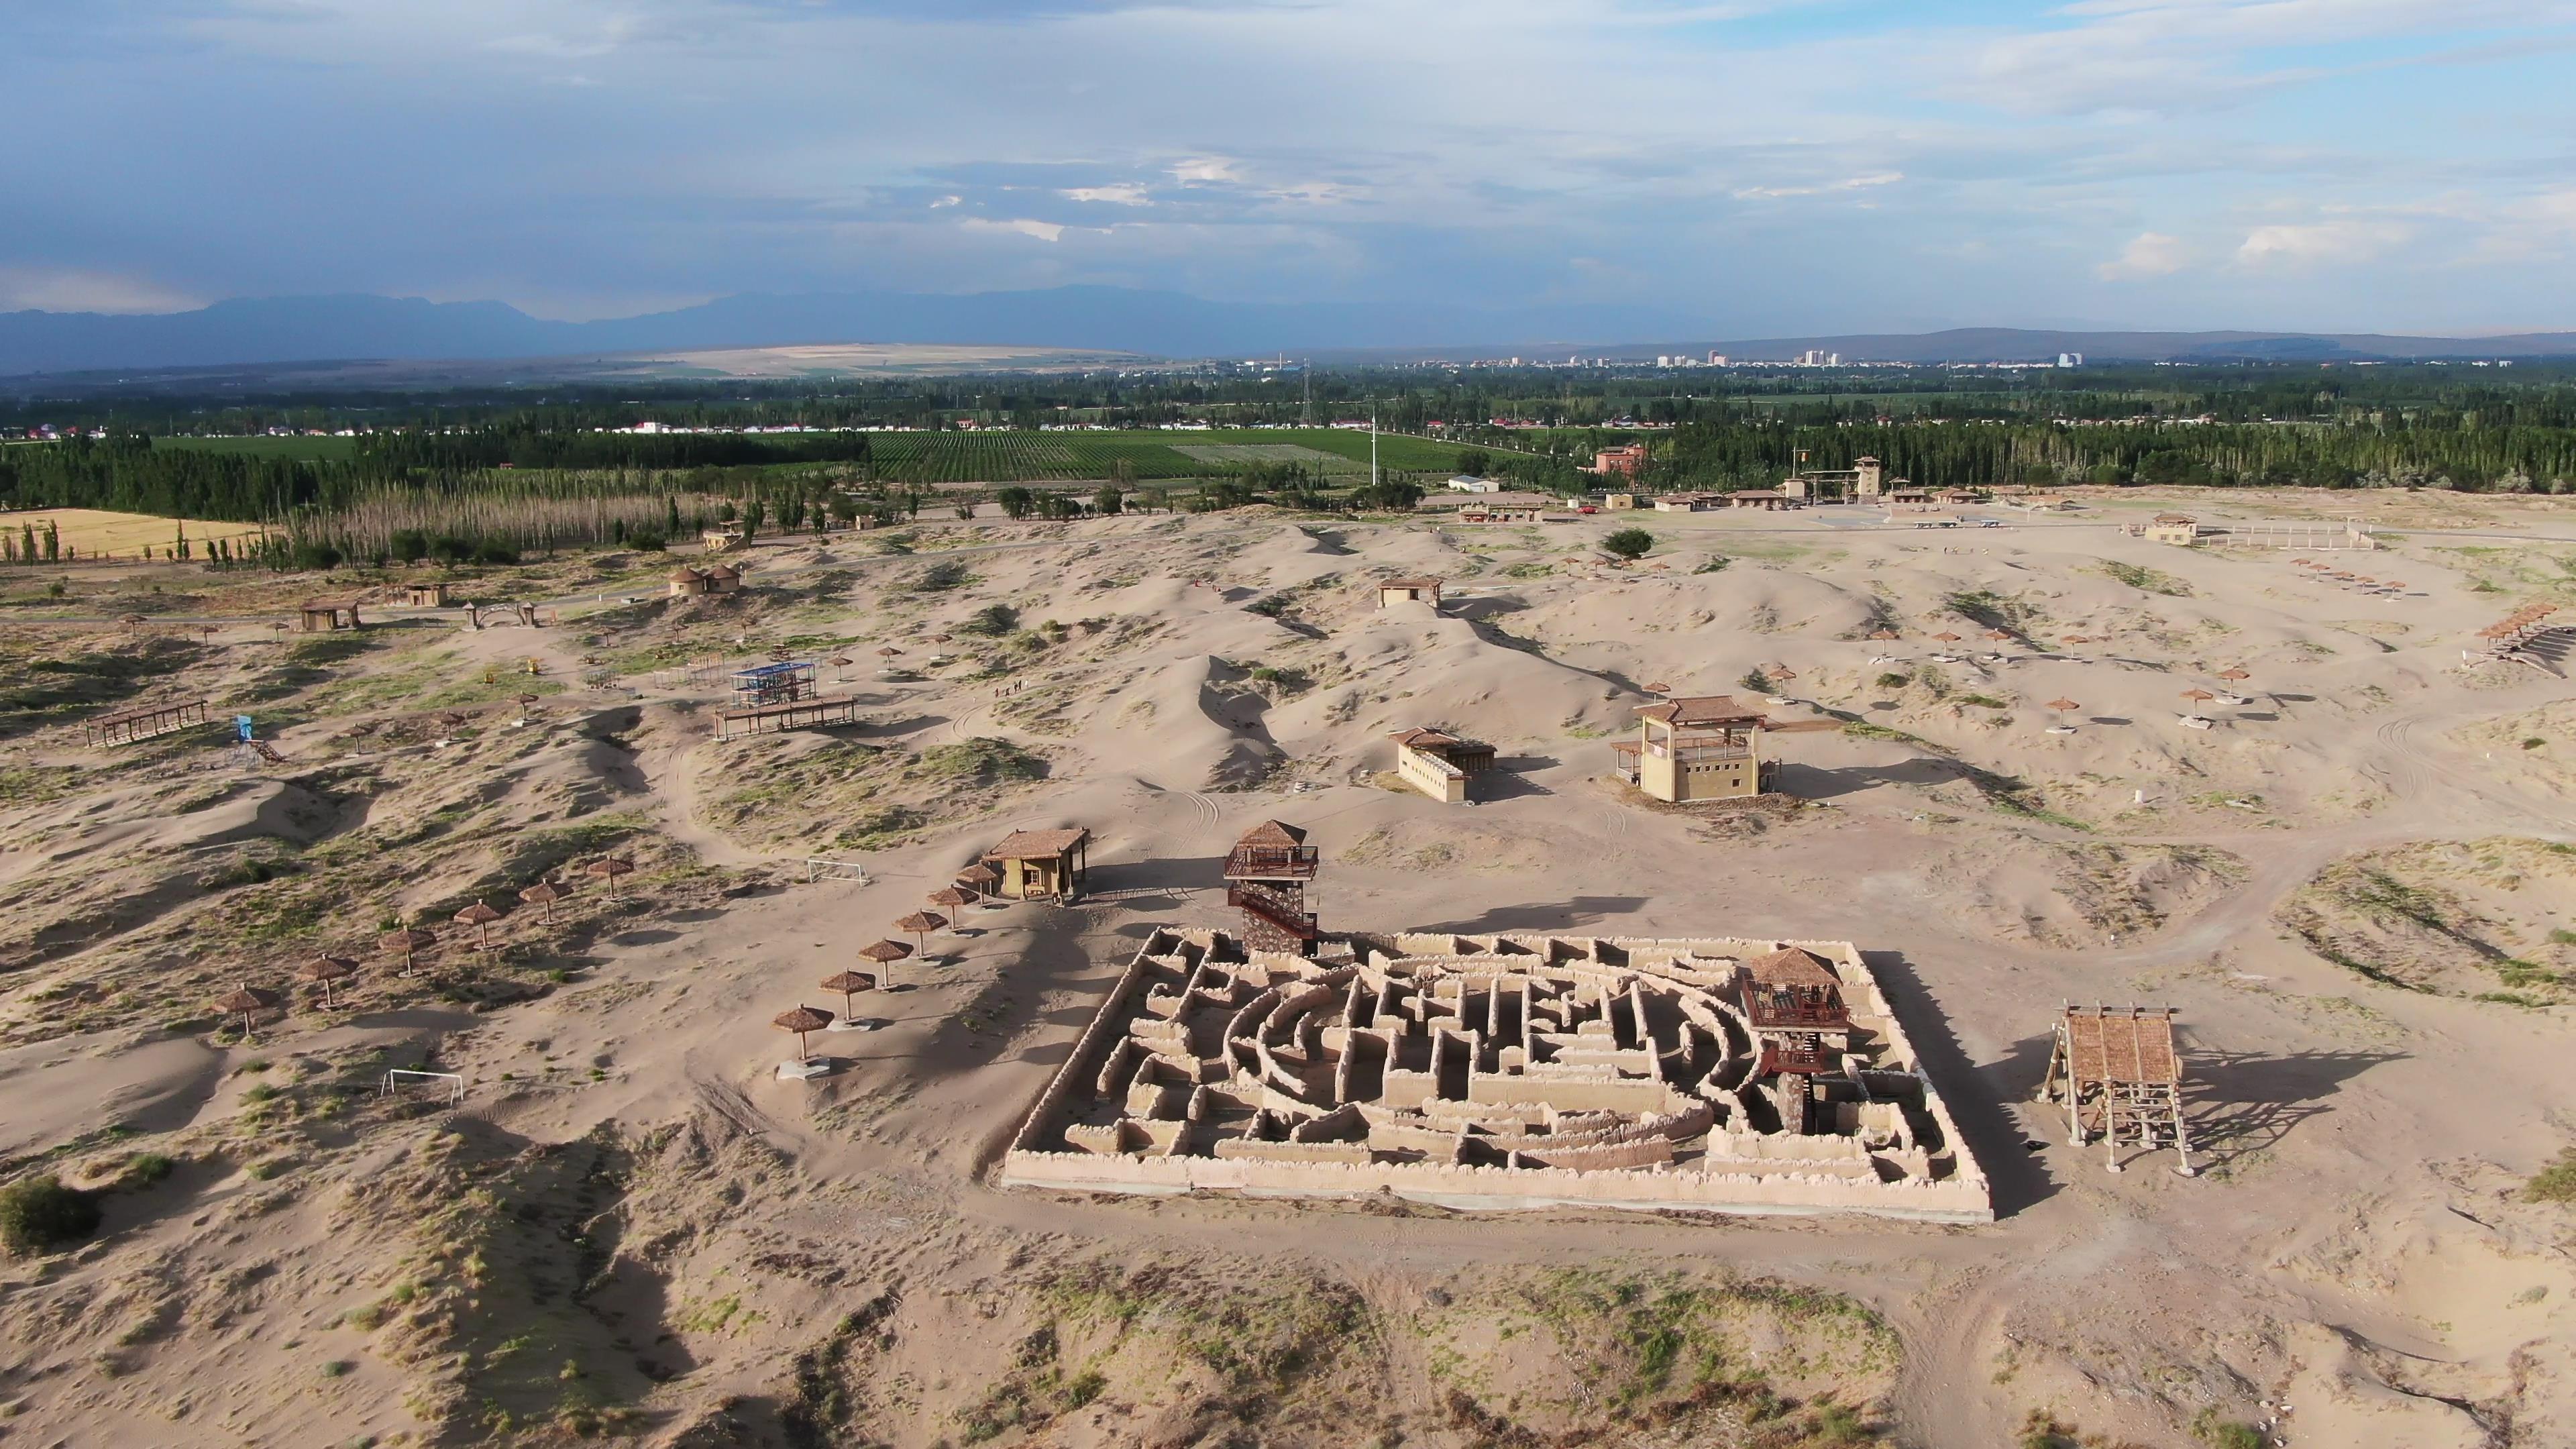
(1766, 165)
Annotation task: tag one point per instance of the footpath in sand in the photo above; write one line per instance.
(2355, 889)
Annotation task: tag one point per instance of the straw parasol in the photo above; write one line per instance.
(611, 868)
(800, 1021)
(849, 984)
(543, 896)
(327, 969)
(889, 652)
(1999, 633)
(980, 877)
(2234, 674)
(921, 924)
(480, 916)
(242, 1001)
(886, 953)
(1883, 634)
(2198, 696)
(1658, 687)
(407, 941)
(953, 897)
(1946, 637)
(2063, 705)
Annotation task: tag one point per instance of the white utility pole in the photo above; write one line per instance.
(1372, 445)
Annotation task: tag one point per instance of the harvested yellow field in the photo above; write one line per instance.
(98, 533)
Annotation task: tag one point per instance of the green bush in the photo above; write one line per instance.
(2554, 1183)
(39, 1214)
(1893, 680)
(1629, 543)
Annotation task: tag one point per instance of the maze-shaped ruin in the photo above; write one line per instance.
(1511, 1071)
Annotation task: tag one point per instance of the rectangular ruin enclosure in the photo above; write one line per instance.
(1517, 1071)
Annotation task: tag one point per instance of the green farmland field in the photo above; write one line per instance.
(1011, 457)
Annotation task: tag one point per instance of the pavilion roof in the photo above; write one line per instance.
(1790, 966)
(1037, 844)
(1705, 709)
(1419, 737)
(2122, 1044)
(1274, 832)
(1425, 583)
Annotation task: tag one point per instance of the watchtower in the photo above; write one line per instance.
(1266, 878)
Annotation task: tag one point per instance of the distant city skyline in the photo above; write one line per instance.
(1773, 166)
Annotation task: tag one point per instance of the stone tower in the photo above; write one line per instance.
(1267, 877)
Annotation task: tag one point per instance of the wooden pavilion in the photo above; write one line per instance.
(1036, 864)
(322, 616)
(1794, 1002)
(2116, 1071)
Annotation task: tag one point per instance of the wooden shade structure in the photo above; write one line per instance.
(2234, 674)
(849, 984)
(921, 924)
(1999, 634)
(409, 942)
(953, 897)
(542, 896)
(327, 969)
(889, 652)
(2063, 705)
(480, 916)
(885, 953)
(610, 868)
(1946, 637)
(1883, 634)
(2201, 696)
(1659, 687)
(979, 877)
(243, 1002)
(801, 1020)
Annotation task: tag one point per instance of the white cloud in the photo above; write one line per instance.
(1123, 193)
(2324, 243)
(1200, 170)
(1851, 183)
(59, 289)
(2148, 254)
(1045, 231)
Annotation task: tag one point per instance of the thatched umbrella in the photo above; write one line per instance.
(2234, 674)
(954, 898)
(2063, 705)
(1778, 671)
(886, 953)
(543, 896)
(2198, 696)
(407, 941)
(1883, 634)
(1999, 634)
(480, 916)
(889, 652)
(800, 1021)
(242, 1001)
(849, 984)
(610, 868)
(921, 924)
(1658, 688)
(979, 877)
(840, 665)
(1946, 637)
(327, 969)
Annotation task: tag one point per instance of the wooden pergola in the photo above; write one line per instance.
(126, 726)
(2116, 1071)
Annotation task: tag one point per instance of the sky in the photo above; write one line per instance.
(1767, 166)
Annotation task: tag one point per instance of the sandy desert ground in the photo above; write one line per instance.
(2358, 891)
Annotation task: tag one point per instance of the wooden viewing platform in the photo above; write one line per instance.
(772, 719)
(126, 726)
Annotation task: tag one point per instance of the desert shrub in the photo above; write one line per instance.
(1893, 680)
(2554, 1183)
(941, 577)
(992, 621)
(39, 1214)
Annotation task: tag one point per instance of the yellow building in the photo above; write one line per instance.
(1703, 748)
(1391, 592)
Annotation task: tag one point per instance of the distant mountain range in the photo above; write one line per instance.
(274, 330)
